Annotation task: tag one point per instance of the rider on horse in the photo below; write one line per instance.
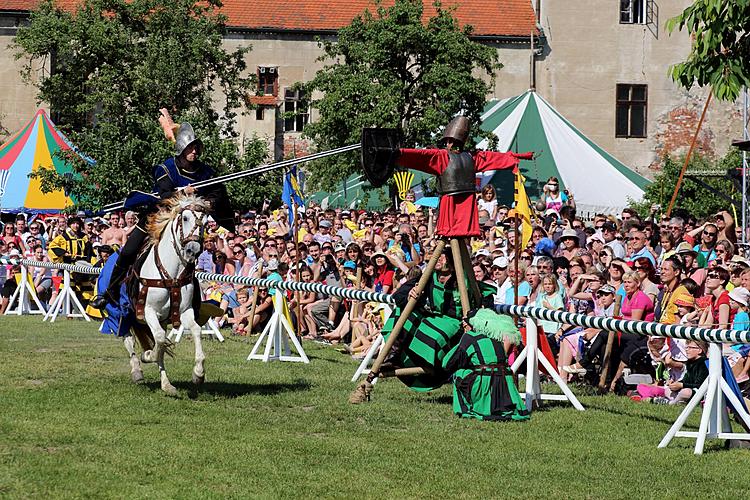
(179, 171)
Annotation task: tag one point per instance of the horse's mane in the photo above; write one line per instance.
(170, 208)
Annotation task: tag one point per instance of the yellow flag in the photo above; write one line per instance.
(522, 209)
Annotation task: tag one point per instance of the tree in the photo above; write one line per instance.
(720, 50)
(390, 69)
(693, 198)
(113, 64)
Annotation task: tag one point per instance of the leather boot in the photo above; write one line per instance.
(112, 294)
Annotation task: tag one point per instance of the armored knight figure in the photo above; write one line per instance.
(179, 171)
(456, 171)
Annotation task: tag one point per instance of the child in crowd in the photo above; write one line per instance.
(241, 314)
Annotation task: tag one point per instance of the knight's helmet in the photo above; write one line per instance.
(457, 129)
(184, 138)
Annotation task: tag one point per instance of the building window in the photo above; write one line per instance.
(259, 113)
(633, 11)
(630, 115)
(268, 81)
(295, 111)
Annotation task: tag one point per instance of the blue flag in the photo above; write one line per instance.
(292, 192)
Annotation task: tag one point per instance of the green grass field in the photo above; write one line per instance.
(72, 425)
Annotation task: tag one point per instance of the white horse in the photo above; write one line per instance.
(166, 281)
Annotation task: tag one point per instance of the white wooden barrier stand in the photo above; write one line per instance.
(66, 297)
(364, 366)
(20, 297)
(276, 335)
(715, 422)
(210, 328)
(533, 357)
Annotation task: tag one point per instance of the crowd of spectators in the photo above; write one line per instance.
(667, 269)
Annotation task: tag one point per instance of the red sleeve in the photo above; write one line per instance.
(493, 160)
(430, 161)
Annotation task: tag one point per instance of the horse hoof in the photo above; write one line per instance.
(198, 379)
(169, 390)
(137, 377)
(145, 357)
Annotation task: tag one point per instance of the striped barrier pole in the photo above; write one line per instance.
(715, 422)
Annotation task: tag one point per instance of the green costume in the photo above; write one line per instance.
(431, 330)
(483, 387)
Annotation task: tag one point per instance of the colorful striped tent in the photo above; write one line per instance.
(30, 149)
(527, 122)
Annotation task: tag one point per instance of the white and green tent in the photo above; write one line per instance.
(599, 182)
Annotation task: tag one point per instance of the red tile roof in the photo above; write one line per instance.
(488, 17)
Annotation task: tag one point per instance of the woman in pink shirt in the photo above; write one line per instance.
(636, 305)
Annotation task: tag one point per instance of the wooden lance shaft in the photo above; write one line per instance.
(426, 276)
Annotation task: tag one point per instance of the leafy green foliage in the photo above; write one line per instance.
(114, 64)
(694, 198)
(720, 46)
(389, 69)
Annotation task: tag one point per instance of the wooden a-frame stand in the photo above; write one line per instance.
(277, 335)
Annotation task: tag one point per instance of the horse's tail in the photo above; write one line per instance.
(146, 339)
(144, 336)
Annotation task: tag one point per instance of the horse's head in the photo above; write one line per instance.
(184, 218)
(188, 230)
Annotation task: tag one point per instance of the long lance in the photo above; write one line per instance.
(253, 171)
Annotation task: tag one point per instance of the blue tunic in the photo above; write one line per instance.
(167, 178)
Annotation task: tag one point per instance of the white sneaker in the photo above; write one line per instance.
(573, 370)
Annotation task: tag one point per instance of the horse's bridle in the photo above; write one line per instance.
(179, 239)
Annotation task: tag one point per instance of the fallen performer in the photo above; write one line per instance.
(432, 329)
(483, 387)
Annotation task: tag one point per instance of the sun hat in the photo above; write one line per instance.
(685, 247)
(741, 295)
(684, 299)
(606, 288)
(597, 236)
(567, 234)
(501, 262)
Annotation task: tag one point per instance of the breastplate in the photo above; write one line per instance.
(459, 176)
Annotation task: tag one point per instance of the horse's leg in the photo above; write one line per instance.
(188, 321)
(136, 374)
(160, 338)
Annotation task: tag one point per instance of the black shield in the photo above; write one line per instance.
(380, 149)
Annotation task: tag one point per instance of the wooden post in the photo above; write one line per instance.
(608, 353)
(254, 304)
(362, 392)
(297, 294)
(460, 276)
(476, 293)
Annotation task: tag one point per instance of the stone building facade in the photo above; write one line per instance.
(591, 59)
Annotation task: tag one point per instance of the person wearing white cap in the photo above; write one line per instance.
(500, 277)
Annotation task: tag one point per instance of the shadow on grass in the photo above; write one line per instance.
(231, 390)
(634, 414)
